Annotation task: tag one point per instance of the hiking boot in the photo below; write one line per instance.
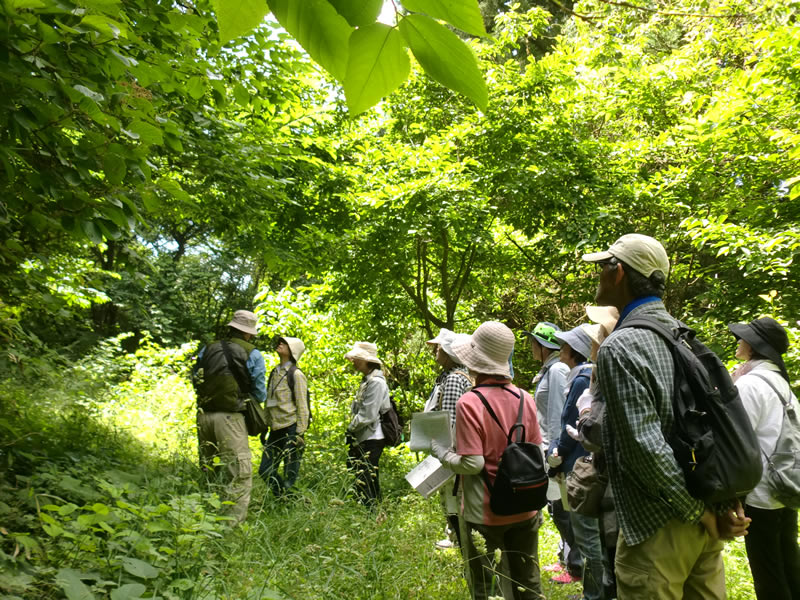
(444, 544)
(565, 577)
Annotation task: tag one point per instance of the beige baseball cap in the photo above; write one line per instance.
(641, 252)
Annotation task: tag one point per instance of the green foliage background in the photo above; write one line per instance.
(163, 164)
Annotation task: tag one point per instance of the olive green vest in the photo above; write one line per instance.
(217, 382)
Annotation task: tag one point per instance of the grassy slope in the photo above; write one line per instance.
(100, 498)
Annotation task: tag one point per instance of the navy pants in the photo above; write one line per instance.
(280, 448)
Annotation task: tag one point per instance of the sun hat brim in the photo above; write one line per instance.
(471, 356)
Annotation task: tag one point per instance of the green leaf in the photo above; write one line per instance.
(173, 188)
(129, 591)
(463, 14)
(139, 568)
(319, 29)
(378, 63)
(108, 28)
(359, 12)
(74, 589)
(114, 168)
(238, 17)
(196, 87)
(89, 93)
(92, 231)
(444, 57)
(148, 134)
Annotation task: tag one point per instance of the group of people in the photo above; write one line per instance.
(604, 393)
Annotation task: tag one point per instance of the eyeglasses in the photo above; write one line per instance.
(600, 264)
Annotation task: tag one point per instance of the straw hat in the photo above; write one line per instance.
(244, 320)
(365, 350)
(487, 350)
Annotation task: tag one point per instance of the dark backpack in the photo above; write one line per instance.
(711, 438)
(290, 381)
(221, 379)
(392, 425)
(521, 481)
(783, 465)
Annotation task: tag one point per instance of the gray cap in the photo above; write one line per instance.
(578, 339)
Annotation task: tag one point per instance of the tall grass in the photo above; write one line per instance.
(100, 497)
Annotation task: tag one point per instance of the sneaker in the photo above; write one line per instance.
(565, 578)
(444, 544)
(554, 568)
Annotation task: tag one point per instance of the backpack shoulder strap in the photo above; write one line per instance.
(654, 326)
(290, 380)
(518, 425)
(785, 403)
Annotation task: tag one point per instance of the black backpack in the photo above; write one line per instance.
(290, 381)
(521, 481)
(711, 438)
(392, 425)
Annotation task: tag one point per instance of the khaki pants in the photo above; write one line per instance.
(679, 561)
(224, 435)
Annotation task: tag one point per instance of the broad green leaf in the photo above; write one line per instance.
(92, 231)
(106, 26)
(378, 63)
(74, 589)
(129, 591)
(319, 29)
(463, 14)
(173, 188)
(444, 57)
(89, 93)
(114, 168)
(139, 568)
(238, 17)
(359, 12)
(196, 87)
(148, 134)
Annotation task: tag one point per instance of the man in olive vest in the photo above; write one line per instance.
(226, 373)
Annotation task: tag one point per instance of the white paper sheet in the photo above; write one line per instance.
(427, 426)
(428, 476)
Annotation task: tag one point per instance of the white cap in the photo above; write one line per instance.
(641, 252)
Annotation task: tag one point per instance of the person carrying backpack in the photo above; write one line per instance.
(288, 417)
(484, 417)
(669, 544)
(763, 384)
(228, 373)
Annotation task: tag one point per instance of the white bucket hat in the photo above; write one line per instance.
(487, 350)
(444, 335)
(641, 252)
(366, 350)
(296, 347)
(606, 317)
(447, 345)
(244, 320)
(578, 339)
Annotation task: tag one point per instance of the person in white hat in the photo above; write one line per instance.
(228, 372)
(452, 383)
(288, 415)
(669, 543)
(576, 345)
(479, 443)
(365, 437)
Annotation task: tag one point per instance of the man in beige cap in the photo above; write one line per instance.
(288, 415)
(669, 544)
(480, 442)
(227, 373)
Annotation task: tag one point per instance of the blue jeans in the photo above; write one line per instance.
(587, 538)
(280, 447)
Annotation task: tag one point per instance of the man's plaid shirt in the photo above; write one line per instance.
(636, 371)
(451, 385)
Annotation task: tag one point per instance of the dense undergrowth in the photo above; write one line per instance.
(100, 497)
